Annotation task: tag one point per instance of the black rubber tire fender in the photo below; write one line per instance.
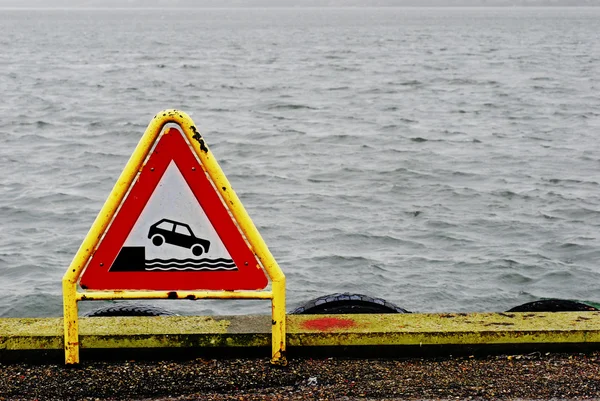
(339, 303)
(130, 310)
(553, 305)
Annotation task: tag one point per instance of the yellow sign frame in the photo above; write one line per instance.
(69, 282)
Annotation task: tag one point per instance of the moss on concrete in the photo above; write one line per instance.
(306, 330)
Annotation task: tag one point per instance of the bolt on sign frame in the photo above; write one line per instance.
(70, 280)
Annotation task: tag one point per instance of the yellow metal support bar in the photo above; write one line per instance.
(108, 295)
(232, 202)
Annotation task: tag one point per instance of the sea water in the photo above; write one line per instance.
(442, 159)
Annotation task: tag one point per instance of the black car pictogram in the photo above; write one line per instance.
(178, 234)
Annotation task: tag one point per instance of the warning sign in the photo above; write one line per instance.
(173, 231)
(173, 228)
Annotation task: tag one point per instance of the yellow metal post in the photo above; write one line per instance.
(71, 322)
(278, 356)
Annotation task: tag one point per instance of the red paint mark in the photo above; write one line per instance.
(328, 324)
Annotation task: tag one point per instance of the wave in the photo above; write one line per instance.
(290, 106)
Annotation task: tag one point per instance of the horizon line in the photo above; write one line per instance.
(83, 7)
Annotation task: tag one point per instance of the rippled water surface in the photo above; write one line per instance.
(443, 159)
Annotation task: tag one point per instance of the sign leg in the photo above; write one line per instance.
(278, 321)
(71, 323)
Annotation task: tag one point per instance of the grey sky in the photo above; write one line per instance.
(285, 3)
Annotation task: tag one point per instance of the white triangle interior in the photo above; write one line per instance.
(173, 199)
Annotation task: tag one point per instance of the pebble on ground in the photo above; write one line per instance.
(531, 376)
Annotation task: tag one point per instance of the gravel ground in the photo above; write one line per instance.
(532, 376)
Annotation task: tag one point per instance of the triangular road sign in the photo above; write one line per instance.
(173, 231)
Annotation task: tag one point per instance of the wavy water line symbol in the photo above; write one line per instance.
(219, 264)
(191, 268)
